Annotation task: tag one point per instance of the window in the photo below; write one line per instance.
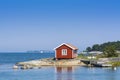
(64, 51)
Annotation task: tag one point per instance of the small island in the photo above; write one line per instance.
(67, 55)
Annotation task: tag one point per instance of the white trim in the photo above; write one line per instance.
(64, 52)
(64, 44)
(59, 46)
(72, 53)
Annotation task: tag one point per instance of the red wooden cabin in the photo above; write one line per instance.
(65, 51)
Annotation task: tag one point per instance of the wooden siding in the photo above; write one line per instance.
(59, 52)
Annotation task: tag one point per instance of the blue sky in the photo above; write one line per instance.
(44, 24)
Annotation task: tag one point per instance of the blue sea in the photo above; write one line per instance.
(7, 60)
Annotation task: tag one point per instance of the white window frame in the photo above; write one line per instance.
(64, 51)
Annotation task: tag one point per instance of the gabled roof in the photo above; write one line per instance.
(69, 45)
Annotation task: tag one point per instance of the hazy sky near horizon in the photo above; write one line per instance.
(44, 24)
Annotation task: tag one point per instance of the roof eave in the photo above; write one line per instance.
(66, 45)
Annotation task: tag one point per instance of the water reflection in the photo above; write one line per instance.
(106, 73)
(112, 73)
(64, 73)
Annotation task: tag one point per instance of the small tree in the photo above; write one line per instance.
(110, 51)
(88, 49)
(96, 47)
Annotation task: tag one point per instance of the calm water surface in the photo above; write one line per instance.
(7, 60)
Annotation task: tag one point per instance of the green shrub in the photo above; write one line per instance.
(81, 56)
(115, 64)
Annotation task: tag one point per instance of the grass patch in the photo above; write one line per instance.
(115, 64)
(81, 56)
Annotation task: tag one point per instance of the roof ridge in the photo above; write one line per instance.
(69, 45)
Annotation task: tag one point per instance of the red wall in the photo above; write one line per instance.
(59, 52)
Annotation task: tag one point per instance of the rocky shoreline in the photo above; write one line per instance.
(48, 62)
